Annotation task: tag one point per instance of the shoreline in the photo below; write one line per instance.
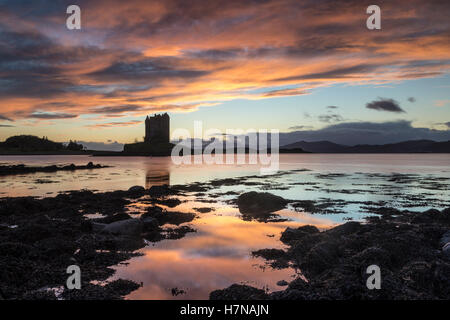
(411, 249)
(45, 153)
(97, 231)
(55, 232)
(8, 170)
(140, 154)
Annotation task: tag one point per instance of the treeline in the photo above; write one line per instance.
(29, 143)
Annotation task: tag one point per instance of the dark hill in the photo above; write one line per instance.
(413, 146)
(317, 146)
(28, 144)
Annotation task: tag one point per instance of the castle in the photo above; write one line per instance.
(157, 128)
(157, 138)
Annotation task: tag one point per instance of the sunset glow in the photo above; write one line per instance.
(206, 60)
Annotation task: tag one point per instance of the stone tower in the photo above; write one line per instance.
(157, 128)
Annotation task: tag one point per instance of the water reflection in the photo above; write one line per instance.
(157, 176)
(126, 172)
(216, 256)
(219, 253)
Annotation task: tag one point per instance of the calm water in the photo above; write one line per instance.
(219, 253)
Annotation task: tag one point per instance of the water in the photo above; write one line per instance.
(218, 254)
(147, 171)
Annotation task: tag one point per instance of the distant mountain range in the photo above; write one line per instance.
(34, 145)
(412, 146)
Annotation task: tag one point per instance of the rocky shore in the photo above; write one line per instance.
(412, 250)
(40, 238)
(6, 170)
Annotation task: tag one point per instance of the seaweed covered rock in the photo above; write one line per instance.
(260, 203)
(291, 234)
(129, 227)
(410, 248)
(238, 292)
(136, 191)
(159, 191)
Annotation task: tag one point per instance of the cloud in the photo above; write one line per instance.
(332, 107)
(51, 115)
(337, 73)
(330, 118)
(447, 124)
(167, 53)
(116, 109)
(2, 117)
(300, 127)
(442, 103)
(286, 92)
(383, 104)
(147, 69)
(34, 65)
(352, 133)
(114, 124)
(412, 99)
(6, 126)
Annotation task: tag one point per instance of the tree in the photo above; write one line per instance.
(74, 146)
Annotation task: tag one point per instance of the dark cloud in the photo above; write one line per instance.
(332, 107)
(286, 92)
(114, 124)
(136, 45)
(328, 118)
(147, 70)
(300, 127)
(383, 104)
(418, 75)
(412, 99)
(352, 133)
(116, 109)
(51, 115)
(45, 7)
(338, 73)
(306, 49)
(216, 54)
(34, 85)
(124, 90)
(6, 126)
(33, 64)
(54, 105)
(2, 117)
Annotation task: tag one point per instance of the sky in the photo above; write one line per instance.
(307, 68)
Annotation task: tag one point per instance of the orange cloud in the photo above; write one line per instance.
(136, 57)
